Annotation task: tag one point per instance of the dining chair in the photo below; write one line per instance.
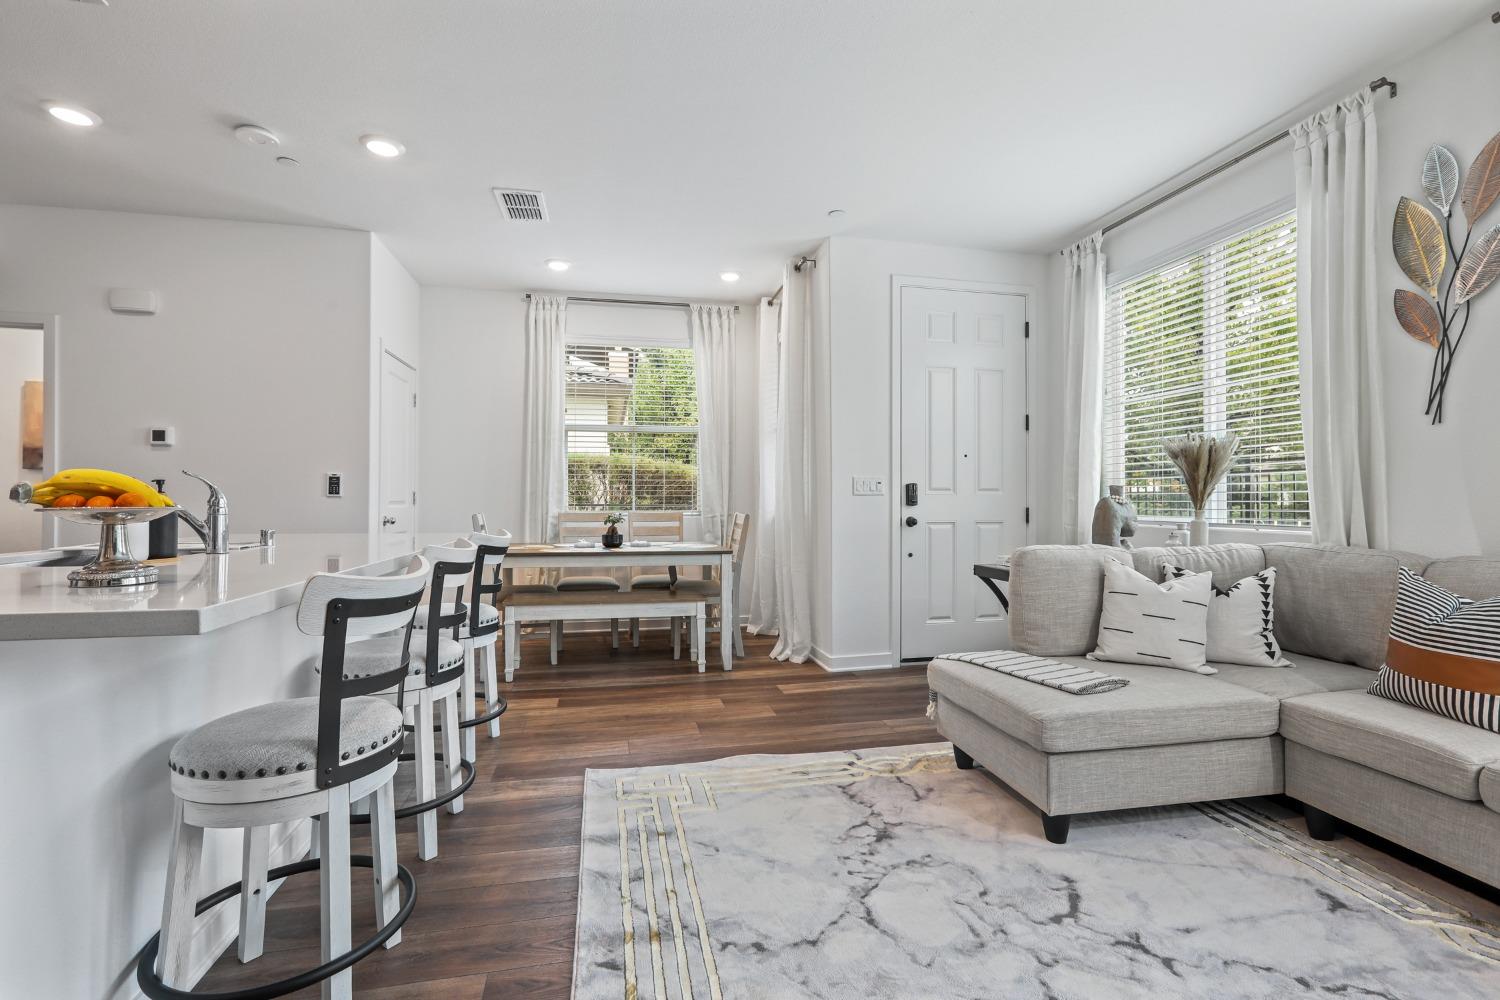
(653, 526)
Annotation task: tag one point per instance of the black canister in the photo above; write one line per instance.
(163, 530)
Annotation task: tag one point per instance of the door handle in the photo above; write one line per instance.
(911, 522)
(387, 521)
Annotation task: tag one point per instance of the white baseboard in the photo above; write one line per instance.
(854, 661)
(212, 936)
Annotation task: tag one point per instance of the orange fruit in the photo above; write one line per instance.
(99, 502)
(68, 500)
(131, 500)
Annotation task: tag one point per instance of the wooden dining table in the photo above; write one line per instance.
(661, 555)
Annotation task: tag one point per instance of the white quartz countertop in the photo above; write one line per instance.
(195, 593)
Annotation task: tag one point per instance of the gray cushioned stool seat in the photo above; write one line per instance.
(651, 581)
(588, 583)
(532, 588)
(382, 653)
(488, 614)
(1426, 749)
(280, 738)
(1160, 706)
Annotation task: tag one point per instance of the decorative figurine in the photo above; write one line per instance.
(1114, 519)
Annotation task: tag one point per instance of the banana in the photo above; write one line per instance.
(102, 482)
(87, 483)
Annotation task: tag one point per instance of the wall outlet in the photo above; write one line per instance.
(869, 486)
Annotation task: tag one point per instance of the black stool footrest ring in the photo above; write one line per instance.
(151, 984)
(406, 812)
(492, 711)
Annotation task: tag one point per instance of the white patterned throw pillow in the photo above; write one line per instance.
(1242, 620)
(1165, 625)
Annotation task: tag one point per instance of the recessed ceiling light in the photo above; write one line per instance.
(836, 213)
(255, 135)
(382, 145)
(72, 114)
(729, 275)
(558, 264)
(287, 161)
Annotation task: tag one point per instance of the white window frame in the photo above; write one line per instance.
(1215, 377)
(632, 343)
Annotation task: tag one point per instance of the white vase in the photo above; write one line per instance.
(1198, 530)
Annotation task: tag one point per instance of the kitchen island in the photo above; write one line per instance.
(100, 685)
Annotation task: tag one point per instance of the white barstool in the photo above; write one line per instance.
(478, 635)
(308, 758)
(438, 686)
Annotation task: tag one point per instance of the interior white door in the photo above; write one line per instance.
(398, 456)
(963, 461)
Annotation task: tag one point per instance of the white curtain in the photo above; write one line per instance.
(781, 592)
(712, 337)
(1083, 392)
(1337, 323)
(545, 450)
(761, 605)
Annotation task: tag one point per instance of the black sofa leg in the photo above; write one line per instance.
(1320, 825)
(963, 760)
(1056, 828)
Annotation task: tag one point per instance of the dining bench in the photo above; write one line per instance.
(525, 607)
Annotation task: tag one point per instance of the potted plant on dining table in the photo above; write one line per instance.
(612, 537)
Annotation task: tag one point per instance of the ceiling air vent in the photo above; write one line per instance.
(522, 206)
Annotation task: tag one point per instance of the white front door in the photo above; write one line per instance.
(963, 461)
(398, 456)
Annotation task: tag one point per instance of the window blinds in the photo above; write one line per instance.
(1209, 343)
(631, 417)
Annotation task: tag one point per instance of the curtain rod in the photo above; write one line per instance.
(627, 302)
(1216, 171)
(797, 266)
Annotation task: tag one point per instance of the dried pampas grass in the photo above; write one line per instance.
(1203, 460)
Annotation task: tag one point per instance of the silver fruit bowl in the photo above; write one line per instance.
(113, 566)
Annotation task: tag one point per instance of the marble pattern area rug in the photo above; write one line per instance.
(891, 874)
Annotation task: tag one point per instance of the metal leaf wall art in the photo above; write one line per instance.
(1440, 178)
(1424, 248)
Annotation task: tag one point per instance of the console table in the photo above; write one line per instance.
(993, 574)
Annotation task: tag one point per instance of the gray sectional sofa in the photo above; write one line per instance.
(1418, 779)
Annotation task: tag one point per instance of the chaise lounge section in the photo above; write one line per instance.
(1427, 782)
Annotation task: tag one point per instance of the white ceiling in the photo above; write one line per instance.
(674, 138)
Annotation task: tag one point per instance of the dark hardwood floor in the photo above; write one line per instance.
(495, 910)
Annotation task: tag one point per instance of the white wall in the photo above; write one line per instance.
(395, 327)
(473, 393)
(258, 355)
(853, 370)
(20, 361)
(1443, 480)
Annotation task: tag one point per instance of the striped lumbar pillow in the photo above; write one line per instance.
(1242, 621)
(1165, 625)
(1444, 653)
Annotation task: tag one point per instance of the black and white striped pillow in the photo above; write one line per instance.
(1165, 625)
(1444, 653)
(1242, 620)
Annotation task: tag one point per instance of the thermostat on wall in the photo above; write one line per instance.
(335, 486)
(161, 437)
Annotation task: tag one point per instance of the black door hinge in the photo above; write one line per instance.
(1028, 421)
(1028, 329)
(1028, 515)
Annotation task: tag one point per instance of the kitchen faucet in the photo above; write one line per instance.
(215, 532)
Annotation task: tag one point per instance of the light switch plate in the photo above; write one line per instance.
(869, 486)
